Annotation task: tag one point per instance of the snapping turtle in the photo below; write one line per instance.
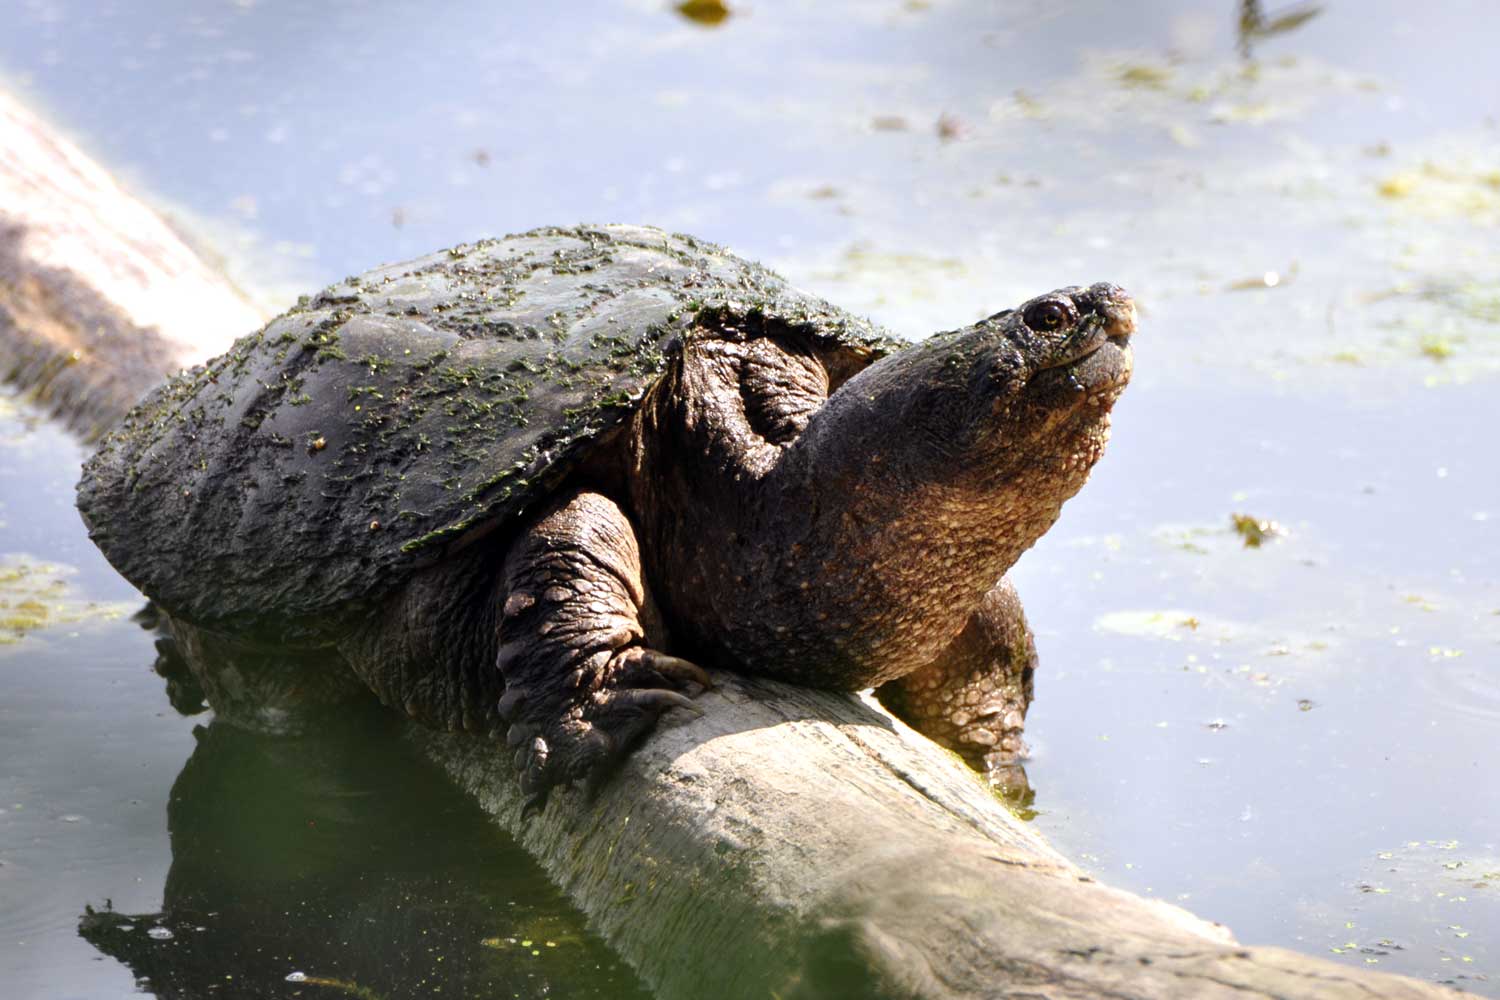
(526, 487)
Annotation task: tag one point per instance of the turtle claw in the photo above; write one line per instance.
(584, 734)
(531, 760)
(511, 701)
(660, 699)
(675, 668)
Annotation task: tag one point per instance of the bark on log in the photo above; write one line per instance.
(789, 843)
(98, 295)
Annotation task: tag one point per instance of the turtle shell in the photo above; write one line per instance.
(403, 413)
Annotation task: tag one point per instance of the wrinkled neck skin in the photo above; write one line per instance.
(855, 552)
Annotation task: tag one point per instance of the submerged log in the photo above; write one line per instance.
(788, 843)
(98, 295)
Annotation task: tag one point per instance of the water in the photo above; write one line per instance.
(1292, 739)
(141, 851)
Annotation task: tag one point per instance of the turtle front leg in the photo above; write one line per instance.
(580, 641)
(973, 698)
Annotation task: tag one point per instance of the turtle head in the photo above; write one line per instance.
(1017, 401)
(1042, 377)
(859, 547)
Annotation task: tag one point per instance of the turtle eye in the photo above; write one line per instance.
(1048, 316)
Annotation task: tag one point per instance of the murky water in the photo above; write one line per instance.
(1294, 739)
(141, 851)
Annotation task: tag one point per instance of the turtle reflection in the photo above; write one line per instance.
(337, 861)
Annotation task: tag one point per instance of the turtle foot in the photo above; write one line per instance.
(973, 697)
(1006, 774)
(583, 734)
(585, 680)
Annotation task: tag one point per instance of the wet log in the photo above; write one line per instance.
(788, 843)
(98, 294)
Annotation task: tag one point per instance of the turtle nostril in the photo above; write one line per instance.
(1115, 306)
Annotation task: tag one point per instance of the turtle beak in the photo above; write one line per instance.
(1119, 321)
(1115, 306)
(1108, 315)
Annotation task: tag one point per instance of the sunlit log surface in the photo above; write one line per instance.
(795, 843)
(789, 843)
(98, 295)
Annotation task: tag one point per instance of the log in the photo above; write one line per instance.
(98, 294)
(787, 843)
(797, 843)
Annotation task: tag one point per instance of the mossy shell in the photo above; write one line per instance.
(406, 412)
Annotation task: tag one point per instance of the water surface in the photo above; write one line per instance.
(1294, 739)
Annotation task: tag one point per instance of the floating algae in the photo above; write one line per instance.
(37, 595)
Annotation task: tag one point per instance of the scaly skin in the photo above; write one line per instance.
(767, 510)
(664, 449)
(836, 542)
(857, 550)
(583, 679)
(973, 697)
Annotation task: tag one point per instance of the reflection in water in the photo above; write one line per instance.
(183, 689)
(1253, 24)
(339, 861)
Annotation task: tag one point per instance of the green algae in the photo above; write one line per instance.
(705, 13)
(36, 596)
(1254, 531)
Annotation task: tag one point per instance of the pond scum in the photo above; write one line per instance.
(37, 595)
